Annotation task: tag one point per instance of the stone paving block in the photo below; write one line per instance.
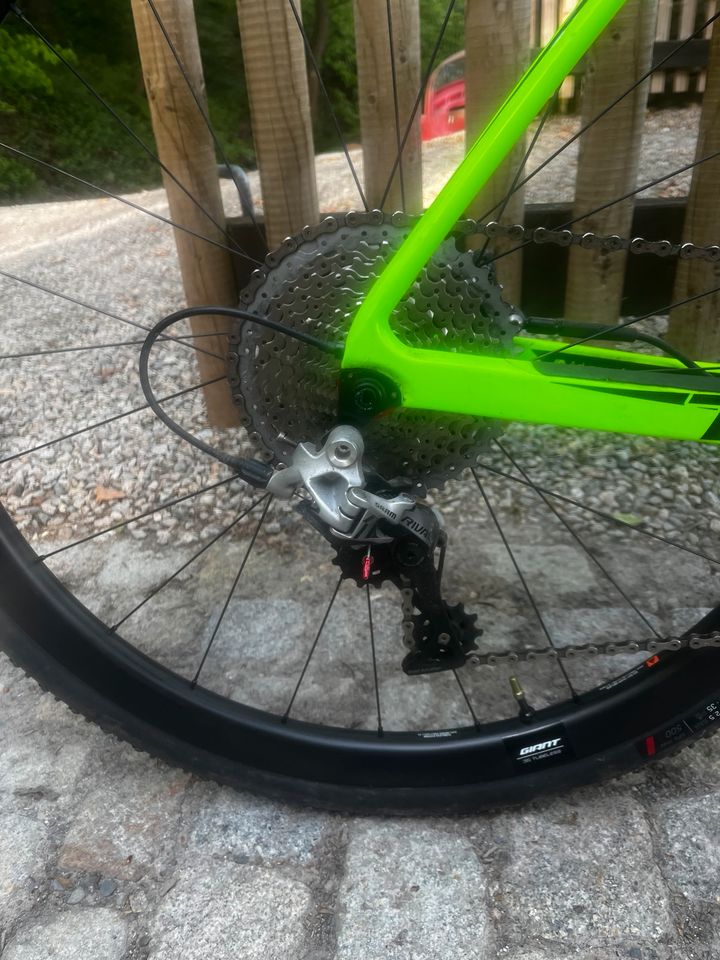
(693, 772)
(228, 911)
(689, 836)
(123, 822)
(582, 873)
(249, 829)
(31, 766)
(95, 934)
(554, 572)
(624, 952)
(23, 850)
(411, 891)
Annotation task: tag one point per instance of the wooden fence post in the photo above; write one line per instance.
(497, 46)
(274, 57)
(695, 328)
(186, 148)
(377, 105)
(608, 159)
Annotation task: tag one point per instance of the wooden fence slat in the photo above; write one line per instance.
(710, 11)
(688, 12)
(608, 159)
(275, 68)
(664, 23)
(567, 89)
(206, 270)
(496, 50)
(695, 328)
(377, 104)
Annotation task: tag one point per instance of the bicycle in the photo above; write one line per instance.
(355, 462)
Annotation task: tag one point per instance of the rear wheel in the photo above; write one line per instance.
(214, 626)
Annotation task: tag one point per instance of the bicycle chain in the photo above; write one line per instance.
(566, 238)
(653, 645)
(494, 230)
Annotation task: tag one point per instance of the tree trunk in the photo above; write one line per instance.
(186, 148)
(608, 159)
(695, 328)
(377, 103)
(497, 45)
(274, 57)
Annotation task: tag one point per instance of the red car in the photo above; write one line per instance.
(444, 103)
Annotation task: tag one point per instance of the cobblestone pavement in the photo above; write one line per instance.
(107, 854)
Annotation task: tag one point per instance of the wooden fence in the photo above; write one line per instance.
(677, 20)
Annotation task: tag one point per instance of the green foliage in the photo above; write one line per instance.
(45, 111)
(25, 61)
(432, 15)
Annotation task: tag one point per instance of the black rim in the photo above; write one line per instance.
(40, 608)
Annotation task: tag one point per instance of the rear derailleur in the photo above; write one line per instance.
(381, 532)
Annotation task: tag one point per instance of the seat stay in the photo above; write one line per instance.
(537, 85)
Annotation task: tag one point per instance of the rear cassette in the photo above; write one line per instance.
(288, 391)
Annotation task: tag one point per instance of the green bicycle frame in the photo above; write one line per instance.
(586, 387)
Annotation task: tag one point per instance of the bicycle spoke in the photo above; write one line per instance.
(101, 423)
(396, 105)
(126, 201)
(312, 651)
(645, 186)
(201, 109)
(418, 101)
(310, 53)
(98, 346)
(161, 586)
(110, 315)
(599, 513)
(523, 163)
(374, 660)
(232, 590)
(128, 129)
(628, 323)
(466, 698)
(138, 516)
(521, 577)
(591, 123)
(571, 530)
(611, 203)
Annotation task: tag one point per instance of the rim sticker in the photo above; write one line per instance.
(659, 740)
(539, 749)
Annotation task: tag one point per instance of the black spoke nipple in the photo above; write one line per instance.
(524, 708)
